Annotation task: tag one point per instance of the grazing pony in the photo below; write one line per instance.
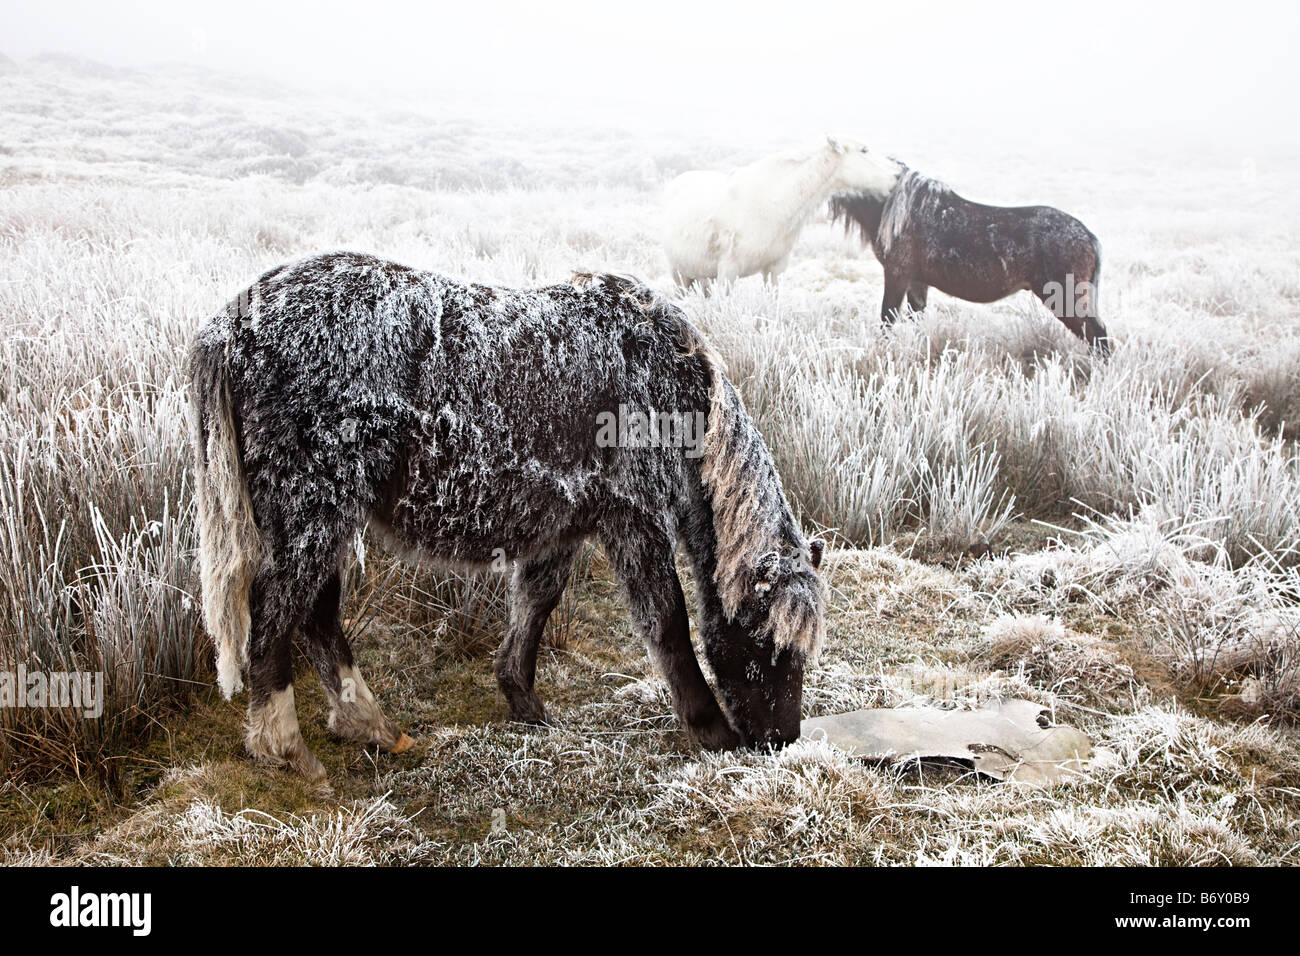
(469, 423)
(728, 225)
(924, 234)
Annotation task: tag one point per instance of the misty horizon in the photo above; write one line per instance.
(1199, 74)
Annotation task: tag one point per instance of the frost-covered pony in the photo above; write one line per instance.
(924, 234)
(465, 423)
(728, 225)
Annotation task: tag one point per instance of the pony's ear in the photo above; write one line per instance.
(767, 569)
(816, 548)
(834, 143)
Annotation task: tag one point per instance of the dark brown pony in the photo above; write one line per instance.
(469, 423)
(924, 234)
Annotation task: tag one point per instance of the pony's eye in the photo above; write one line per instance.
(864, 149)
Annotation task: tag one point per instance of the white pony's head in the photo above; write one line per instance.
(863, 171)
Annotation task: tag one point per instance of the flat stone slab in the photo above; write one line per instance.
(1005, 739)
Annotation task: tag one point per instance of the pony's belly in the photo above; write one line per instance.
(464, 518)
(981, 294)
(441, 541)
(693, 251)
(976, 281)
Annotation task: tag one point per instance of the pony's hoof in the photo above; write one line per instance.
(528, 710)
(296, 758)
(309, 766)
(404, 743)
(718, 735)
(305, 765)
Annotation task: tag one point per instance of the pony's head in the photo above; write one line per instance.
(862, 170)
(774, 630)
(768, 618)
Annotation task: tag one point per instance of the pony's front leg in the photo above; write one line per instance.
(686, 283)
(654, 595)
(728, 273)
(534, 592)
(896, 287)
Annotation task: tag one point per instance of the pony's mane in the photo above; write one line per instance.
(912, 189)
(859, 212)
(794, 155)
(879, 222)
(751, 518)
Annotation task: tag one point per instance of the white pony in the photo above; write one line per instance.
(727, 225)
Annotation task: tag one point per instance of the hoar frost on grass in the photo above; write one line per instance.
(1075, 666)
(189, 827)
(1215, 626)
(354, 836)
(122, 228)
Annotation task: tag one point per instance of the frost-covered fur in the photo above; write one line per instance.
(728, 225)
(462, 420)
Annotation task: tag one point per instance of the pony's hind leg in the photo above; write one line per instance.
(1097, 337)
(644, 566)
(273, 735)
(1093, 331)
(1078, 314)
(773, 270)
(354, 713)
(535, 589)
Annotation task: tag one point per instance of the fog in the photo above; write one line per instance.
(1195, 70)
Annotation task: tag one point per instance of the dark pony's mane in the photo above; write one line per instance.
(860, 213)
(879, 219)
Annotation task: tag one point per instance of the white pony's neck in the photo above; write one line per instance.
(809, 178)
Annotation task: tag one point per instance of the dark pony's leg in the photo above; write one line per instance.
(1078, 315)
(1093, 330)
(535, 589)
(1072, 298)
(354, 713)
(917, 293)
(279, 599)
(643, 562)
(896, 287)
(304, 549)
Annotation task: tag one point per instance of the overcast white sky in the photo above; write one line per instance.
(1220, 69)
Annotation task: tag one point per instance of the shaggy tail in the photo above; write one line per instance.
(230, 546)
